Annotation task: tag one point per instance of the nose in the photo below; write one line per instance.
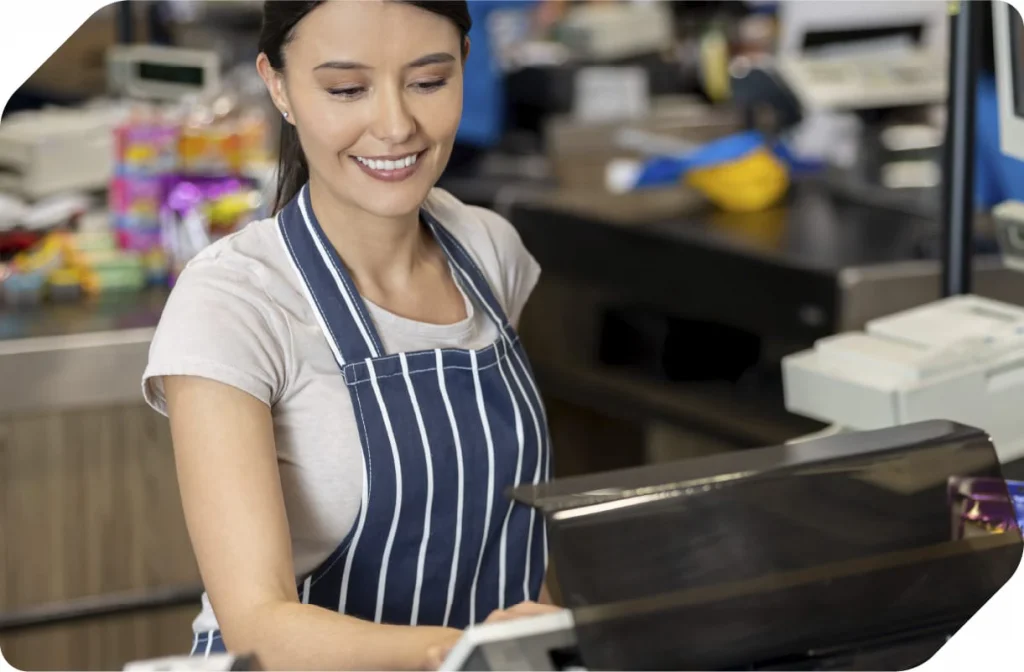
(393, 123)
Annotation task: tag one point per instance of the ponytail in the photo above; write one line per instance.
(292, 168)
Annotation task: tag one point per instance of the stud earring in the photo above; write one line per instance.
(285, 114)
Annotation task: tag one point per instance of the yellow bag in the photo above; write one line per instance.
(755, 181)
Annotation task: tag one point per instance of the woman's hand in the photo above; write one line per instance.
(438, 651)
(437, 654)
(521, 610)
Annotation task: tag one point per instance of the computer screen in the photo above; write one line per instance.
(1008, 29)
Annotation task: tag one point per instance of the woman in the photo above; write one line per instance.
(348, 398)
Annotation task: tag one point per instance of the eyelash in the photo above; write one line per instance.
(422, 87)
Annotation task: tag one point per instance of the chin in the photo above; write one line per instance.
(390, 199)
(393, 205)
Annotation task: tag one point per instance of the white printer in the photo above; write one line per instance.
(57, 150)
(959, 359)
(858, 55)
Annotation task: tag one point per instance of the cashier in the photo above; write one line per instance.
(348, 398)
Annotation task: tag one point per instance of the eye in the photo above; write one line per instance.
(347, 92)
(428, 86)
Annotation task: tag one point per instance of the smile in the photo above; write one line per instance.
(389, 169)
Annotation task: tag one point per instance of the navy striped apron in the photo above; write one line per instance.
(444, 433)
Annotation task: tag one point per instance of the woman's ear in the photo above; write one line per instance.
(465, 49)
(274, 82)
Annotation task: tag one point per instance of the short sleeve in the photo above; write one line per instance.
(218, 324)
(518, 271)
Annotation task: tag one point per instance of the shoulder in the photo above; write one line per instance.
(494, 244)
(252, 264)
(481, 231)
(247, 272)
(233, 266)
(222, 320)
(256, 250)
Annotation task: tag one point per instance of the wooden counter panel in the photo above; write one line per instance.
(89, 506)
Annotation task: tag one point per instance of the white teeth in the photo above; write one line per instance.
(377, 164)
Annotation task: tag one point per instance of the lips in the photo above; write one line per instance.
(390, 168)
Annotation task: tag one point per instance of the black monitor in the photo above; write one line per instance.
(833, 550)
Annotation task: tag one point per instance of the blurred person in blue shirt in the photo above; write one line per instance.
(997, 177)
(484, 104)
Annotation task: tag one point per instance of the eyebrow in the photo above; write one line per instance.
(429, 59)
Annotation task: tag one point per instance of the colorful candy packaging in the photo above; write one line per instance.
(982, 506)
(198, 211)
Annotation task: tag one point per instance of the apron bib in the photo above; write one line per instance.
(444, 434)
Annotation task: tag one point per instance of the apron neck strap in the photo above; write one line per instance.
(336, 304)
(338, 307)
(468, 273)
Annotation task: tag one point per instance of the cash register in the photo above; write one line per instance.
(841, 553)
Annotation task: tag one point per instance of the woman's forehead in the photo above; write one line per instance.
(377, 33)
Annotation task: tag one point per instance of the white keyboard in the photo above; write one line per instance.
(859, 83)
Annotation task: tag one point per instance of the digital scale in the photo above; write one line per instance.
(57, 150)
(147, 72)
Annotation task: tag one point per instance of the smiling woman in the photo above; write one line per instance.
(404, 102)
(349, 400)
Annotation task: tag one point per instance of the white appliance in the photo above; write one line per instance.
(1009, 45)
(850, 54)
(56, 150)
(518, 644)
(606, 30)
(148, 72)
(860, 82)
(802, 24)
(960, 358)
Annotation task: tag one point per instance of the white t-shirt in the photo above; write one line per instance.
(238, 315)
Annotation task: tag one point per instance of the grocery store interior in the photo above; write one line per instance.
(778, 332)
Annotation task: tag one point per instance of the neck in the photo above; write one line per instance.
(381, 253)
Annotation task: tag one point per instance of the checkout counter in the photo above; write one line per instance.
(78, 408)
(855, 552)
(97, 563)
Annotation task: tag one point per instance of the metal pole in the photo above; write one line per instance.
(958, 168)
(125, 23)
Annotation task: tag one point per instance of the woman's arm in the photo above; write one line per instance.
(545, 594)
(234, 508)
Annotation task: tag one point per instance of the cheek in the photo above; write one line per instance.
(440, 116)
(327, 128)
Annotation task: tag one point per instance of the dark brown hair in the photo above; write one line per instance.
(279, 20)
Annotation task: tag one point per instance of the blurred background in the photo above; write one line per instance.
(708, 186)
